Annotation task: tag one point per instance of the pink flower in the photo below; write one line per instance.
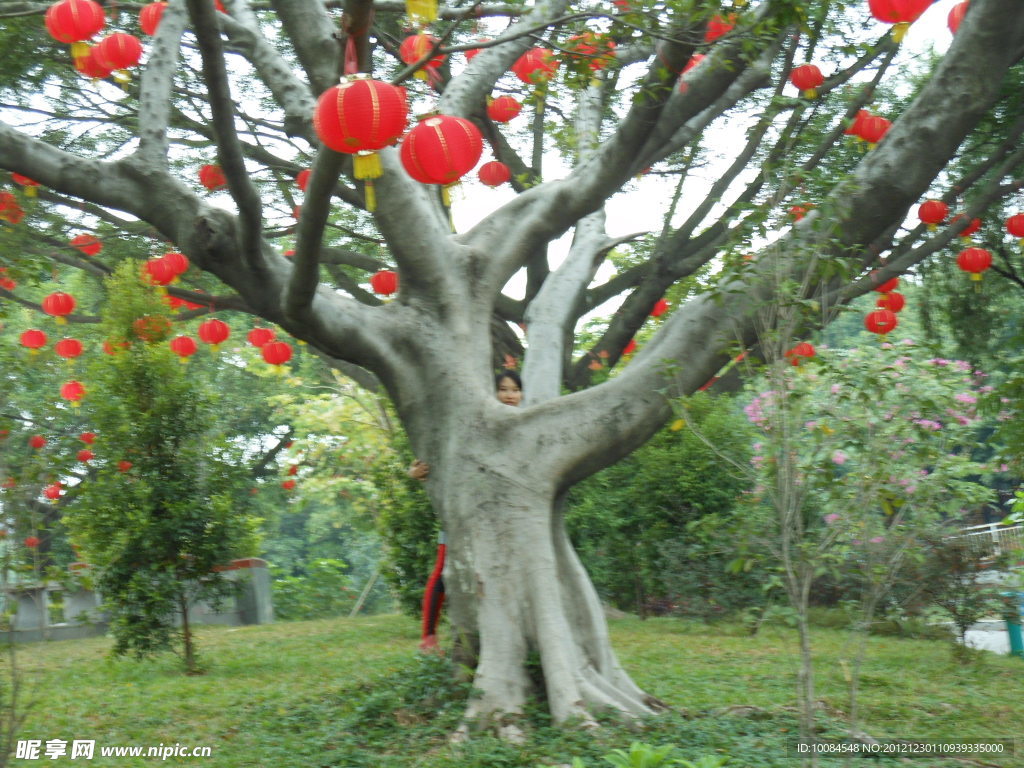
(1004, 467)
(940, 361)
(877, 539)
(839, 457)
(835, 389)
(965, 397)
(831, 518)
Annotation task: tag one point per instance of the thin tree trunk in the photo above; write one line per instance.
(186, 631)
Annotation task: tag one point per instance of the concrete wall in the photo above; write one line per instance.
(83, 614)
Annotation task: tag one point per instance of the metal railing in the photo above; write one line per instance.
(994, 539)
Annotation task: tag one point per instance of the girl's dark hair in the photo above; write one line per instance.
(507, 373)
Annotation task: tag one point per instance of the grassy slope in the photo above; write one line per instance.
(351, 693)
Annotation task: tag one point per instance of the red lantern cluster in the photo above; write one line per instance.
(807, 78)
(59, 305)
(212, 177)
(494, 173)
(384, 282)
(441, 149)
(164, 270)
(503, 109)
(536, 66)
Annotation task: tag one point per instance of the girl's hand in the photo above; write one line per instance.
(419, 470)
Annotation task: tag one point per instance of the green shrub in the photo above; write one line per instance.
(325, 590)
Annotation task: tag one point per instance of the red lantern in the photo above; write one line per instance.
(660, 308)
(415, 47)
(87, 437)
(152, 328)
(901, 13)
(798, 211)
(854, 128)
(149, 17)
(873, 128)
(27, 184)
(808, 78)
(90, 66)
(33, 339)
(59, 305)
(799, 353)
(1015, 225)
(598, 48)
(72, 21)
(260, 336)
(158, 271)
(302, 180)
(892, 301)
(956, 16)
(5, 282)
(360, 117)
(68, 348)
(277, 352)
(184, 346)
(37, 441)
(119, 51)
(881, 321)
(178, 263)
(124, 465)
(384, 282)
(888, 286)
(72, 391)
(212, 177)
(503, 109)
(10, 209)
(214, 331)
(85, 456)
(718, 26)
(537, 66)
(87, 244)
(975, 261)
(933, 212)
(441, 149)
(31, 542)
(970, 229)
(630, 348)
(288, 484)
(494, 173)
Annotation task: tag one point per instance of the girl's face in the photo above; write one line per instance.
(509, 392)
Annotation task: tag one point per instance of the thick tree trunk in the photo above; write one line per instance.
(518, 591)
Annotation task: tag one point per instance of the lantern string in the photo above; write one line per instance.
(351, 57)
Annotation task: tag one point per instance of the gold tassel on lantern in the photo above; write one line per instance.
(366, 165)
(79, 50)
(31, 191)
(370, 194)
(422, 10)
(899, 31)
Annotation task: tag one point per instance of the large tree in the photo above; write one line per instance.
(244, 84)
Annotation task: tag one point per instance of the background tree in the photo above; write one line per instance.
(169, 503)
(514, 583)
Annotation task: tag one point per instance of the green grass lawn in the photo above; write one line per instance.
(354, 692)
